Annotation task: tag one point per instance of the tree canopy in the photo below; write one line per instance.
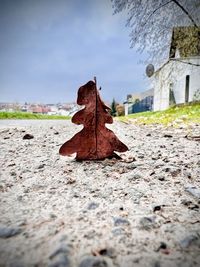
(152, 23)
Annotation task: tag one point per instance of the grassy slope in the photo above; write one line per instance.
(173, 116)
(26, 115)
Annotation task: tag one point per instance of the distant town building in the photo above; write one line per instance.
(139, 102)
(178, 80)
(65, 109)
(42, 109)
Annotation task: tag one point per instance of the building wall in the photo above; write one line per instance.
(161, 87)
(173, 75)
(126, 108)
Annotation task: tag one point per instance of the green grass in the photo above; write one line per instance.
(174, 116)
(27, 116)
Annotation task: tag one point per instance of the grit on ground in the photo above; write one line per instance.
(142, 210)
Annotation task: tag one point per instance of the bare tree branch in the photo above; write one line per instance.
(156, 11)
(186, 12)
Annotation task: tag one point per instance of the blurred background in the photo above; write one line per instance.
(49, 48)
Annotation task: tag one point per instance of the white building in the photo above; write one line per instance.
(178, 80)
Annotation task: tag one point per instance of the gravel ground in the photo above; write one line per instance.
(140, 211)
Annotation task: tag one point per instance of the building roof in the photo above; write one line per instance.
(40, 109)
(147, 93)
(186, 40)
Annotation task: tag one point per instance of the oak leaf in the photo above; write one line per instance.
(94, 141)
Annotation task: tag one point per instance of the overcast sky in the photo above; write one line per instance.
(49, 48)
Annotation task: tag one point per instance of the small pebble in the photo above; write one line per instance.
(28, 136)
(120, 221)
(6, 232)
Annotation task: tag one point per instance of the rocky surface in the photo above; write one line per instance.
(140, 211)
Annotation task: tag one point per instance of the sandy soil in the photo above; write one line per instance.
(142, 210)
